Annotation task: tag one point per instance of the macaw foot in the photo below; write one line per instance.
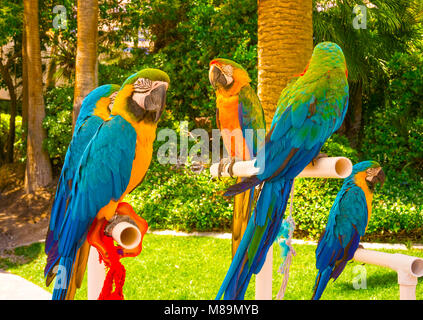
(222, 163)
(319, 156)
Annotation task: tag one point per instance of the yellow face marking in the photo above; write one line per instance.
(360, 180)
(102, 108)
(120, 103)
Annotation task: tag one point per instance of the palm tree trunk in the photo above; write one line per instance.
(38, 166)
(285, 44)
(86, 53)
(24, 84)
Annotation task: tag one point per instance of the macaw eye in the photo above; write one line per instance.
(142, 85)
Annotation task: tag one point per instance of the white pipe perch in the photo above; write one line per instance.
(126, 235)
(328, 167)
(408, 268)
(331, 167)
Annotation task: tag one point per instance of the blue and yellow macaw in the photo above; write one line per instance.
(309, 110)
(347, 222)
(113, 163)
(238, 109)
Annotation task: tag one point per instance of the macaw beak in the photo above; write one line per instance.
(156, 101)
(151, 104)
(218, 79)
(378, 177)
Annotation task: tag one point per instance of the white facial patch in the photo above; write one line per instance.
(228, 72)
(143, 87)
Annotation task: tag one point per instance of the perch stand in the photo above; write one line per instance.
(331, 167)
(408, 268)
(126, 235)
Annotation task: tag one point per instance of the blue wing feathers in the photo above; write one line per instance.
(85, 127)
(115, 139)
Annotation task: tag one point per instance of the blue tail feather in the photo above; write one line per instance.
(63, 277)
(239, 274)
(322, 280)
(243, 186)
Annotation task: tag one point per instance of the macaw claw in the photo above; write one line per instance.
(223, 163)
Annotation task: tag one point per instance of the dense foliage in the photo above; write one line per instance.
(19, 150)
(58, 123)
(394, 133)
(191, 34)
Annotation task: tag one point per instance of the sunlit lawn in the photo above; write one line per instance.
(184, 268)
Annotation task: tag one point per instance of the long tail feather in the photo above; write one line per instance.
(243, 186)
(63, 277)
(260, 234)
(322, 280)
(241, 215)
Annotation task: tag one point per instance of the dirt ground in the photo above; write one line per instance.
(23, 218)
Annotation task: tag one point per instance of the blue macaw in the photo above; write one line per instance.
(309, 110)
(347, 222)
(112, 164)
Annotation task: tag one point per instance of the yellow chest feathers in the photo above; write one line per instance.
(146, 134)
(360, 180)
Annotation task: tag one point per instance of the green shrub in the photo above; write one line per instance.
(178, 199)
(19, 145)
(58, 123)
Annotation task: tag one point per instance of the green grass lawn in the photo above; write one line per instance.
(184, 268)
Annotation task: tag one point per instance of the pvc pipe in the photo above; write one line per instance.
(96, 274)
(240, 169)
(407, 267)
(127, 235)
(328, 167)
(333, 167)
(264, 278)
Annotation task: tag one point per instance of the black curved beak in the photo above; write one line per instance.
(216, 77)
(378, 177)
(156, 101)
